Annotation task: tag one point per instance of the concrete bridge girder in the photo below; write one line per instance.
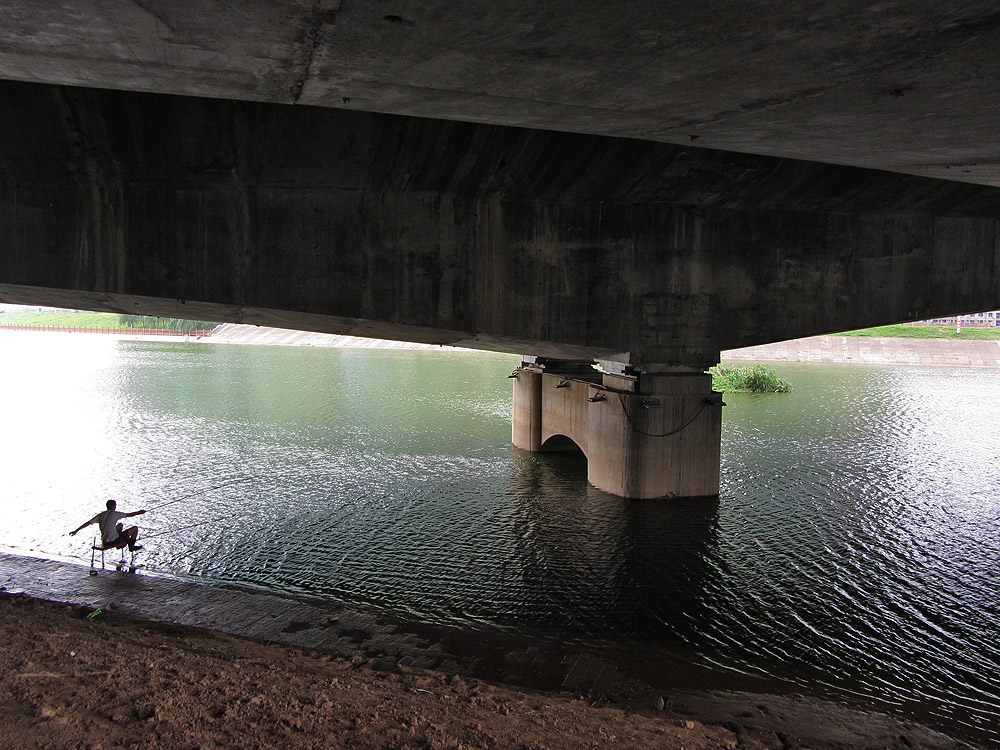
(641, 254)
(526, 241)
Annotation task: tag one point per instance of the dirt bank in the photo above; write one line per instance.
(75, 679)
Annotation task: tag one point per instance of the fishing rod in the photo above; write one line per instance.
(197, 492)
(345, 511)
(186, 497)
(189, 526)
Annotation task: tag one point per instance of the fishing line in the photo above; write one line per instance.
(230, 511)
(198, 492)
(160, 531)
(189, 526)
(345, 512)
(228, 515)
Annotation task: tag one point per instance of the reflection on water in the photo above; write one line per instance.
(855, 548)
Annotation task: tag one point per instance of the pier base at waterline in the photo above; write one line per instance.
(644, 435)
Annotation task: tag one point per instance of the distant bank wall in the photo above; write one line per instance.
(834, 349)
(871, 350)
(237, 333)
(843, 349)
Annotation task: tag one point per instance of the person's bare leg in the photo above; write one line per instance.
(130, 535)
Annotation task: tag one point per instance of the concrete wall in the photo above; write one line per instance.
(526, 417)
(565, 412)
(492, 237)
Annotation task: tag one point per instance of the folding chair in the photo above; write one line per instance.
(102, 548)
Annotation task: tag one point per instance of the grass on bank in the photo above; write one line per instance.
(84, 319)
(757, 378)
(924, 332)
(60, 318)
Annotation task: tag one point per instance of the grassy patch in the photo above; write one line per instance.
(925, 332)
(750, 379)
(84, 319)
(61, 318)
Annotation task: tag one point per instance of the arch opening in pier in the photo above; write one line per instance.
(561, 444)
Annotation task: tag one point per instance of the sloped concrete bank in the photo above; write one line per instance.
(850, 350)
(838, 349)
(874, 351)
(236, 333)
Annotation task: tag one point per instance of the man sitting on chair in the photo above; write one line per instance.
(113, 536)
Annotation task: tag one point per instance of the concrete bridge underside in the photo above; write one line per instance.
(649, 257)
(486, 236)
(567, 181)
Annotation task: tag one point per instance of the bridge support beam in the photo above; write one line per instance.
(645, 435)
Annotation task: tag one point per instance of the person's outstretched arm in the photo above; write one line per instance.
(134, 513)
(73, 532)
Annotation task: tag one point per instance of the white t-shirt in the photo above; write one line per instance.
(108, 521)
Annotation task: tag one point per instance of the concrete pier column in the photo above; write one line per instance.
(662, 439)
(526, 421)
(645, 435)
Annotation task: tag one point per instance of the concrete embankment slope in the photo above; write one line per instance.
(843, 349)
(234, 333)
(876, 351)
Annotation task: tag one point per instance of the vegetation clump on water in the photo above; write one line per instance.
(757, 378)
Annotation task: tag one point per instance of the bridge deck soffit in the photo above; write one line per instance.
(565, 245)
(902, 86)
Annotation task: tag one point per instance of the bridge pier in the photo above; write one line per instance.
(645, 435)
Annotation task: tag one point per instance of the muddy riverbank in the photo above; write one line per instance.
(78, 677)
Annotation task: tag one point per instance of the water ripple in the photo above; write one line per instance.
(853, 551)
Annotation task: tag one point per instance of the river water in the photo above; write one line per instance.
(854, 551)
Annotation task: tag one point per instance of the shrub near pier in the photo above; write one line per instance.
(757, 378)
